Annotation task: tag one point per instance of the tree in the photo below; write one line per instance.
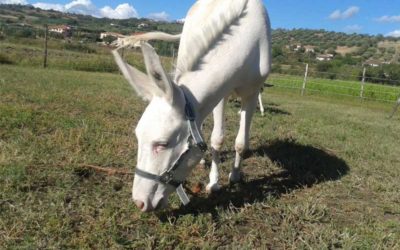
(109, 39)
(277, 51)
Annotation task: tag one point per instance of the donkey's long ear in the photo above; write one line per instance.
(156, 72)
(138, 80)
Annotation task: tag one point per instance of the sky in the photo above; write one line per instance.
(350, 16)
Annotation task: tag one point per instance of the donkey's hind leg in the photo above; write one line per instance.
(217, 139)
(249, 105)
(260, 103)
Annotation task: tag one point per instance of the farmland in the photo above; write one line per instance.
(322, 171)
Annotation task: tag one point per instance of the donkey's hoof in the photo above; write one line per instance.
(213, 188)
(235, 177)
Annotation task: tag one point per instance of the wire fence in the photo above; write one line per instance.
(311, 84)
(304, 80)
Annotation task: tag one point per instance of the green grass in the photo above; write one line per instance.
(99, 59)
(322, 172)
(29, 53)
(337, 88)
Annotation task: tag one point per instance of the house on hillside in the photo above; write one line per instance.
(309, 49)
(143, 25)
(373, 63)
(325, 57)
(114, 35)
(61, 29)
(297, 47)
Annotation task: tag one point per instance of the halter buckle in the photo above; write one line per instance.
(167, 177)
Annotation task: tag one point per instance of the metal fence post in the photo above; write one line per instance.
(305, 81)
(363, 83)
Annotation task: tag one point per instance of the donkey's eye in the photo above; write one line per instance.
(159, 147)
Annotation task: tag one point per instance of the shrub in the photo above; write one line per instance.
(5, 60)
(79, 48)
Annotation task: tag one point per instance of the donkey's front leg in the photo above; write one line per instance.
(217, 139)
(249, 105)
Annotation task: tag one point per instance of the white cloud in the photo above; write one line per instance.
(353, 28)
(395, 33)
(123, 11)
(86, 7)
(350, 12)
(161, 16)
(388, 19)
(13, 2)
(49, 6)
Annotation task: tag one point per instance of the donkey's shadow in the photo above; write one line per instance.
(300, 166)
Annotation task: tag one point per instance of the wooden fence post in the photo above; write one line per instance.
(305, 81)
(396, 107)
(363, 83)
(122, 53)
(45, 46)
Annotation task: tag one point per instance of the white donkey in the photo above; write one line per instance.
(225, 47)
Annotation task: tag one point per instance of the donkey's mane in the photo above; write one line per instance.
(206, 22)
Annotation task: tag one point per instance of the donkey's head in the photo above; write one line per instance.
(165, 152)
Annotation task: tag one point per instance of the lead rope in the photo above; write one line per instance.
(198, 141)
(182, 195)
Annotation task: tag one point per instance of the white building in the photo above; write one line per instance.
(326, 57)
(117, 36)
(309, 49)
(143, 25)
(297, 47)
(112, 34)
(61, 29)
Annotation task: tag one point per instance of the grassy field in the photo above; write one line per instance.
(337, 88)
(322, 173)
(67, 56)
(94, 58)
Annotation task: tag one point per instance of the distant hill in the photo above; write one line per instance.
(326, 51)
(35, 17)
(26, 15)
(366, 47)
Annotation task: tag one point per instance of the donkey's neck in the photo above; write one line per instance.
(203, 91)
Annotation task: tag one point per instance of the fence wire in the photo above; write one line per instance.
(353, 89)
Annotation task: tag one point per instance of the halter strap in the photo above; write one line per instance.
(195, 140)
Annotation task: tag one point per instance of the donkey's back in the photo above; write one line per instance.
(229, 38)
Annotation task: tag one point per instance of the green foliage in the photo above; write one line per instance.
(277, 51)
(86, 30)
(109, 39)
(79, 47)
(324, 66)
(18, 31)
(386, 74)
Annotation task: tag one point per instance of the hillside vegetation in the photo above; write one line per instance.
(292, 49)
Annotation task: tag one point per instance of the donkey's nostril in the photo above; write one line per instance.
(139, 204)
